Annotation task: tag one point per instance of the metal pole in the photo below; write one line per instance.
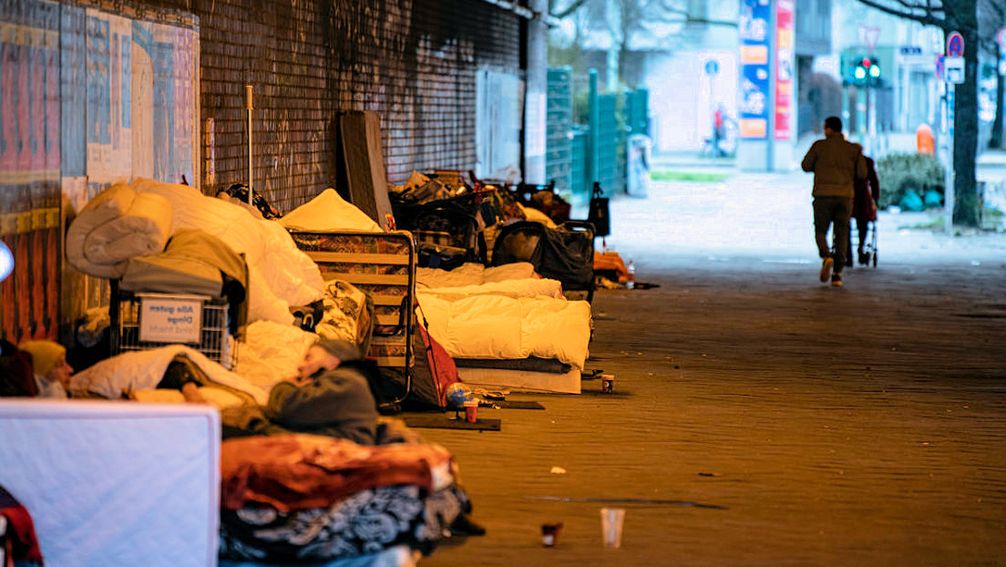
(773, 69)
(871, 122)
(593, 143)
(249, 107)
(949, 196)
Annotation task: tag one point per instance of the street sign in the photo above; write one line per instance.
(868, 36)
(712, 67)
(954, 69)
(1001, 37)
(955, 45)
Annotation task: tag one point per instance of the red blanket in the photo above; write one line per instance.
(20, 531)
(296, 472)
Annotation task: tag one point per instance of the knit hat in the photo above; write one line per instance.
(44, 355)
(344, 350)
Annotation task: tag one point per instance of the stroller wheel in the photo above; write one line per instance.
(874, 259)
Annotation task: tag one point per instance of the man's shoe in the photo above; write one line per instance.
(826, 268)
(836, 280)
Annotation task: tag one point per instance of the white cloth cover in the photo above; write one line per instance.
(530, 287)
(279, 274)
(115, 226)
(473, 274)
(114, 483)
(328, 211)
(142, 231)
(119, 376)
(495, 326)
(271, 352)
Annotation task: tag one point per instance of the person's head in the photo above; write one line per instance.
(49, 360)
(326, 354)
(832, 125)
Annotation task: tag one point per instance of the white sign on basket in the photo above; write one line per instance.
(171, 319)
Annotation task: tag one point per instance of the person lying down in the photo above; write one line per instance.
(330, 395)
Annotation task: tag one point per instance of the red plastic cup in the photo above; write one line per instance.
(472, 411)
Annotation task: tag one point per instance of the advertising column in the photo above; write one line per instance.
(784, 135)
(766, 85)
(753, 107)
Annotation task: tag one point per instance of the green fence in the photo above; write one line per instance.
(607, 131)
(577, 155)
(580, 184)
(637, 111)
(559, 125)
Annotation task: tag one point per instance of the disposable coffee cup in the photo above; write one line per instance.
(607, 383)
(611, 526)
(550, 534)
(472, 411)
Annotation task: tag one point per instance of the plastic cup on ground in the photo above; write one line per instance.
(611, 526)
(472, 411)
(607, 383)
(550, 534)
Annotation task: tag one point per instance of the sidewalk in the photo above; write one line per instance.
(760, 417)
(767, 217)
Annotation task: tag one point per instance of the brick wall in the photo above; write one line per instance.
(411, 61)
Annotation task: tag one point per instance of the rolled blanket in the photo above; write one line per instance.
(115, 226)
(280, 275)
(112, 203)
(143, 230)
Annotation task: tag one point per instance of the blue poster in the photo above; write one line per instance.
(753, 108)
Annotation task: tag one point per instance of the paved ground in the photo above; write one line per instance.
(864, 425)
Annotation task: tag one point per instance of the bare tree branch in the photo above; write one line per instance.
(928, 9)
(569, 9)
(926, 18)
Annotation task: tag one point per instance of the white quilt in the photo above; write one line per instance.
(271, 352)
(496, 326)
(279, 274)
(328, 211)
(119, 376)
(118, 224)
(473, 274)
(528, 287)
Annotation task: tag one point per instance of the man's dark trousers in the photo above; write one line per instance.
(827, 211)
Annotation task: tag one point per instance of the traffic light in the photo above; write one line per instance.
(866, 71)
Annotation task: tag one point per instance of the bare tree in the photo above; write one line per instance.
(991, 17)
(625, 20)
(949, 16)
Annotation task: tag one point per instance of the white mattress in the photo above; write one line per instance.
(522, 380)
(115, 483)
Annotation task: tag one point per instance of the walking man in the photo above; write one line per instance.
(836, 164)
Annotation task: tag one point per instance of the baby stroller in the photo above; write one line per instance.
(864, 211)
(869, 245)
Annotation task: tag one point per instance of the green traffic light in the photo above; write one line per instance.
(875, 71)
(860, 73)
